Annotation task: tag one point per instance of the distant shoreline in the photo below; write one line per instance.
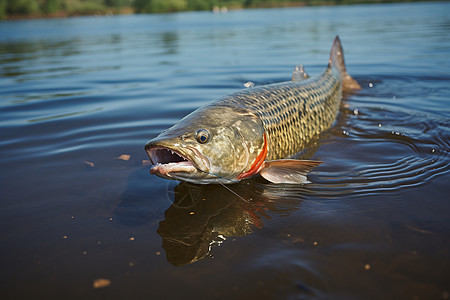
(100, 9)
(67, 14)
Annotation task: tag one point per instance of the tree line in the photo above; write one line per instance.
(61, 8)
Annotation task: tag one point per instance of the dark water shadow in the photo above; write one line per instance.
(201, 217)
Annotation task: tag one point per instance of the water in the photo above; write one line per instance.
(81, 96)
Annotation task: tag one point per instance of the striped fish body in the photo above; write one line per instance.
(254, 131)
(291, 112)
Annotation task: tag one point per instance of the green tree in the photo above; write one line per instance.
(21, 7)
(140, 6)
(159, 6)
(50, 6)
(200, 4)
(2, 9)
(114, 3)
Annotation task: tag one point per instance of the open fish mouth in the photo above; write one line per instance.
(167, 161)
(162, 155)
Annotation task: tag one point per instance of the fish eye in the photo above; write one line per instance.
(202, 136)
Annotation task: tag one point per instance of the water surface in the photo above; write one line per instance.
(81, 96)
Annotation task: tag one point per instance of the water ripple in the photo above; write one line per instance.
(405, 147)
(405, 172)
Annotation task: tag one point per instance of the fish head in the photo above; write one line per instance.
(211, 145)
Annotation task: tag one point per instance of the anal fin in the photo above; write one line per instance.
(291, 171)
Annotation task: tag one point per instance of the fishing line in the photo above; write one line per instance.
(232, 191)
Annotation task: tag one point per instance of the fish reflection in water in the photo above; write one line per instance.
(202, 217)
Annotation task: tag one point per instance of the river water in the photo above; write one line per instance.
(82, 218)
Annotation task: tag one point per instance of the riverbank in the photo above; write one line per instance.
(36, 9)
(68, 14)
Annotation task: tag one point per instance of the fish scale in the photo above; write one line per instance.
(293, 112)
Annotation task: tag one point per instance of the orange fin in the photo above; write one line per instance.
(291, 171)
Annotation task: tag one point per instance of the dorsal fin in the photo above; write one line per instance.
(337, 61)
(299, 73)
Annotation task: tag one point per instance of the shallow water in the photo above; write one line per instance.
(81, 96)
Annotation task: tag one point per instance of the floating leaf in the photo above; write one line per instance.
(124, 157)
(89, 164)
(101, 283)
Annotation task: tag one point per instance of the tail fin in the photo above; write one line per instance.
(337, 61)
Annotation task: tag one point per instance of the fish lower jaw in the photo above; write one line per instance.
(169, 169)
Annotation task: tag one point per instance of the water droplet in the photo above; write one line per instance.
(249, 84)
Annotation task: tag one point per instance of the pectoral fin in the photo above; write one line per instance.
(290, 171)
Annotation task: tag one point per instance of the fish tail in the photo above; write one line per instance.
(337, 61)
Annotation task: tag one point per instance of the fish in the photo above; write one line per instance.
(255, 131)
